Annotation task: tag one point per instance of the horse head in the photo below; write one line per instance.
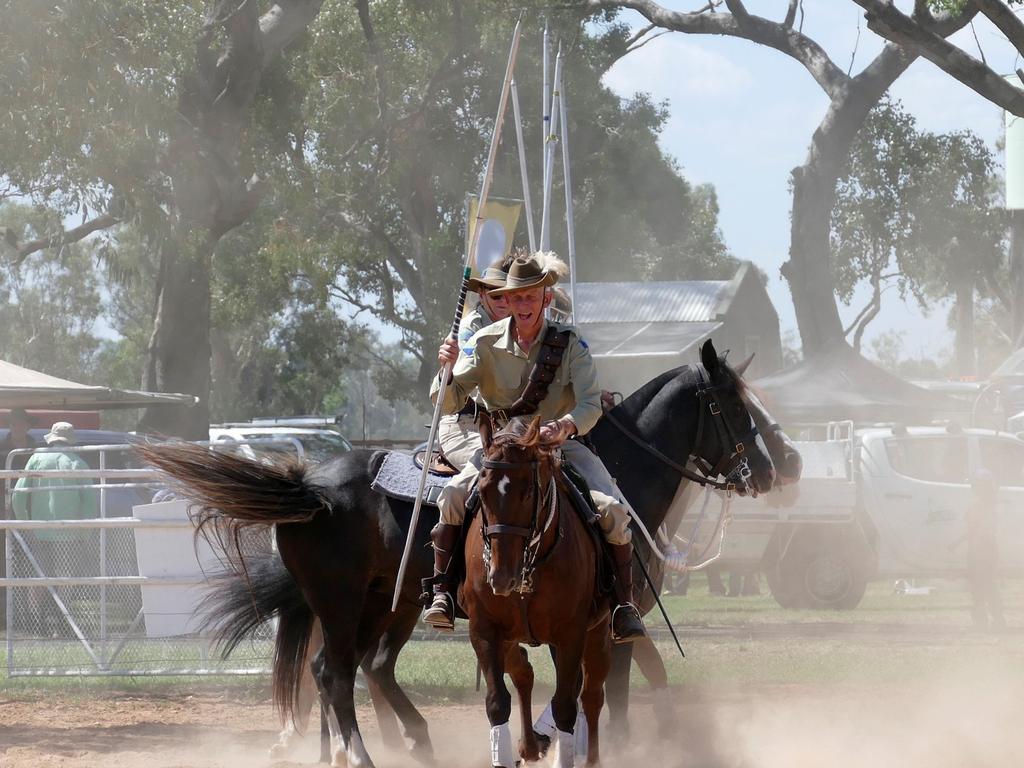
(728, 439)
(517, 492)
(789, 464)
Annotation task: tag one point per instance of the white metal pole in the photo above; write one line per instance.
(527, 205)
(545, 107)
(474, 242)
(570, 227)
(549, 158)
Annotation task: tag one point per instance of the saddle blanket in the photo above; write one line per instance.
(399, 478)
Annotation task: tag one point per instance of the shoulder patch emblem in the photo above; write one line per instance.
(583, 342)
(468, 351)
(465, 334)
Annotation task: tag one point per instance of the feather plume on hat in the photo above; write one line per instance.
(550, 262)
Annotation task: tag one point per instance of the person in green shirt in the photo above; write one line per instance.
(58, 552)
(62, 503)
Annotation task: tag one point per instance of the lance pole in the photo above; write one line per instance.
(570, 225)
(549, 157)
(467, 268)
(527, 205)
(545, 107)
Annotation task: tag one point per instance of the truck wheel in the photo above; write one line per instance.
(820, 570)
(830, 576)
(783, 587)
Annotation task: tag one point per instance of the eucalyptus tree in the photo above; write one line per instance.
(851, 98)
(143, 113)
(918, 211)
(268, 162)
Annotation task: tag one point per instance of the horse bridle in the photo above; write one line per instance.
(535, 533)
(732, 466)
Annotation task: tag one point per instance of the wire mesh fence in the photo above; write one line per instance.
(83, 597)
(76, 605)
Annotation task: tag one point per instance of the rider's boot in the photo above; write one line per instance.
(441, 613)
(626, 623)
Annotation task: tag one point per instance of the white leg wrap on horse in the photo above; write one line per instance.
(545, 725)
(501, 747)
(565, 751)
(581, 732)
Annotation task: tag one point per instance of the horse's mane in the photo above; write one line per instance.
(521, 431)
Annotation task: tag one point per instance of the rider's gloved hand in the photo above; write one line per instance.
(448, 352)
(557, 432)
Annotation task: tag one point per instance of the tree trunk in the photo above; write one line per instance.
(179, 347)
(966, 355)
(809, 269)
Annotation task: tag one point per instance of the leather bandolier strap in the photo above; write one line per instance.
(552, 350)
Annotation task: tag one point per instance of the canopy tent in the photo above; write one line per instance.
(841, 384)
(25, 388)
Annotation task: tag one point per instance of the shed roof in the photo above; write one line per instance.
(25, 388)
(644, 338)
(681, 301)
(840, 384)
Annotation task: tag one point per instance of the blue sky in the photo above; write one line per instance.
(742, 116)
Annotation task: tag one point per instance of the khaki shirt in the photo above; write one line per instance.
(492, 363)
(472, 322)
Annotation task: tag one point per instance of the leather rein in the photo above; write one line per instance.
(732, 466)
(532, 536)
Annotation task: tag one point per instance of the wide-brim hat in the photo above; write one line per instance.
(526, 272)
(491, 278)
(61, 432)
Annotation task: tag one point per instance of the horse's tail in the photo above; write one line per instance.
(238, 603)
(230, 493)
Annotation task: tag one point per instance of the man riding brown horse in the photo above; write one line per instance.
(526, 365)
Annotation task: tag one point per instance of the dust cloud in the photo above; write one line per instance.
(968, 713)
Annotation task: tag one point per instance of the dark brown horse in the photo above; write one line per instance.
(531, 577)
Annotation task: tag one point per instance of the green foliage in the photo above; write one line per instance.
(379, 222)
(917, 211)
(48, 304)
(367, 149)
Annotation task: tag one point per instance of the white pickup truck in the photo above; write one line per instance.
(876, 503)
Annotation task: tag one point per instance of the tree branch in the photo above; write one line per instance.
(742, 24)
(64, 237)
(1006, 21)
(887, 21)
(285, 21)
(791, 14)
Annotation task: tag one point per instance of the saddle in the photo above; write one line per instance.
(399, 477)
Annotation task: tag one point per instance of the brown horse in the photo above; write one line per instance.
(531, 577)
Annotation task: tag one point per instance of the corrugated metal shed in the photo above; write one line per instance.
(644, 339)
(690, 301)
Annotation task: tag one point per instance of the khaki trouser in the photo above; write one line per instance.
(611, 505)
(459, 437)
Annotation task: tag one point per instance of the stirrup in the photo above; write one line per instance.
(636, 632)
(441, 613)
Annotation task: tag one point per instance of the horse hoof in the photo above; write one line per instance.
(280, 751)
(543, 744)
(423, 755)
(529, 752)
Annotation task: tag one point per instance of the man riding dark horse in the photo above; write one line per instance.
(527, 365)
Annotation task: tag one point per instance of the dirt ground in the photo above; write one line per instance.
(949, 722)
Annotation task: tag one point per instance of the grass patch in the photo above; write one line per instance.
(440, 671)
